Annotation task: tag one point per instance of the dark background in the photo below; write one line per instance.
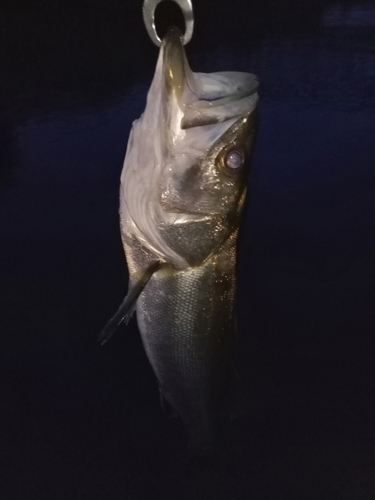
(80, 421)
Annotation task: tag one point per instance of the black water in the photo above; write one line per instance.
(81, 421)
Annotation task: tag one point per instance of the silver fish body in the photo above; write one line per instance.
(183, 187)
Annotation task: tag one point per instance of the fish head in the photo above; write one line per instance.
(185, 172)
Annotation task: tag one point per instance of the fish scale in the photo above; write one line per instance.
(186, 323)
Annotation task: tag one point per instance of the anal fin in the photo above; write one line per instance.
(127, 307)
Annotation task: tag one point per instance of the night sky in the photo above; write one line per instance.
(82, 421)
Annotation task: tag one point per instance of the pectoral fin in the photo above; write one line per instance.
(166, 407)
(127, 307)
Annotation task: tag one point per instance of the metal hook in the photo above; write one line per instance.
(149, 7)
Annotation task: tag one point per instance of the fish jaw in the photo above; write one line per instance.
(171, 177)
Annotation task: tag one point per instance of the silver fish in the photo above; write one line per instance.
(183, 188)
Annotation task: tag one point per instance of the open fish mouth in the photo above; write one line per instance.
(205, 98)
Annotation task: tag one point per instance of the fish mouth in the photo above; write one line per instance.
(204, 98)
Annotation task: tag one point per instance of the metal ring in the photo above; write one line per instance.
(149, 7)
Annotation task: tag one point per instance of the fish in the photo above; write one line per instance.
(182, 192)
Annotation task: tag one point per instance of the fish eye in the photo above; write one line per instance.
(232, 161)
